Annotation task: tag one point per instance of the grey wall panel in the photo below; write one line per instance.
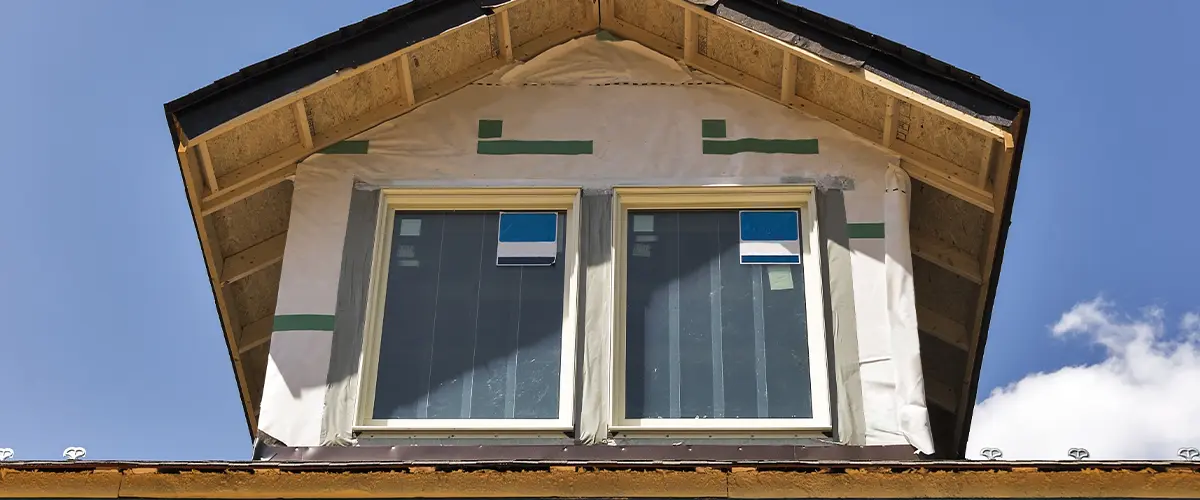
(341, 397)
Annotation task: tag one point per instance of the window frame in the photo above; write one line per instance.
(490, 199)
(789, 197)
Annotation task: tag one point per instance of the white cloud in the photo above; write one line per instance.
(1141, 402)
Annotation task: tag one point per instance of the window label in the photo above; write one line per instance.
(770, 236)
(527, 239)
(643, 223)
(410, 227)
(780, 277)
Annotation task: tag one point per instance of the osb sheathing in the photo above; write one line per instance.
(737, 49)
(944, 292)
(254, 366)
(354, 96)
(657, 17)
(942, 362)
(941, 423)
(531, 19)
(452, 52)
(254, 295)
(861, 103)
(254, 219)
(568, 482)
(254, 140)
(941, 136)
(948, 220)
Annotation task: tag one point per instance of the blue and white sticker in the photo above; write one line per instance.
(527, 239)
(770, 236)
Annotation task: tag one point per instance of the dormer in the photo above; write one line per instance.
(602, 230)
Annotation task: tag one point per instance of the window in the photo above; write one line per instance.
(719, 317)
(471, 320)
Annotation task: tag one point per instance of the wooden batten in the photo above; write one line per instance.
(787, 83)
(406, 79)
(889, 122)
(204, 159)
(302, 126)
(506, 46)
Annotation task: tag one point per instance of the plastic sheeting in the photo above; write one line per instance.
(629, 116)
(341, 400)
(298, 366)
(911, 412)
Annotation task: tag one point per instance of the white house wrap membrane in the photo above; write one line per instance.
(598, 114)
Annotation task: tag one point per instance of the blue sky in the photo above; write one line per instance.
(111, 341)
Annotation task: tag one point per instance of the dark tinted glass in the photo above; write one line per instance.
(707, 336)
(463, 337)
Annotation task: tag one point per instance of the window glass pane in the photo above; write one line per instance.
(463, 337)
(707, 336)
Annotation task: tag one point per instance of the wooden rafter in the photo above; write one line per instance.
(324, 83)
(266, 172)
(264, 177)
(253, 259)
(923, 165)
(255, 333)
(947, 257)
(887, 86)
(787, 83)
(942, 328)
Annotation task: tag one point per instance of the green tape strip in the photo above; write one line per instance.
(712, 129)
(491, 129)
(774, 146)
(347, 148)
(508, 147)
(294, 322)
(864, 230)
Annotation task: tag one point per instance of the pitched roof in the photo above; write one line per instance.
(965, 185)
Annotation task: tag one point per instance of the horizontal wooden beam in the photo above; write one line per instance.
(947, 257)
(942, 328)
(269, 176)
(255, 334)
(253, 259)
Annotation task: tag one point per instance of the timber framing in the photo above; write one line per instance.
(240, 139)
(551, 479)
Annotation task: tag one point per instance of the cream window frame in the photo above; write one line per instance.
(792, 197)
(393, 200)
